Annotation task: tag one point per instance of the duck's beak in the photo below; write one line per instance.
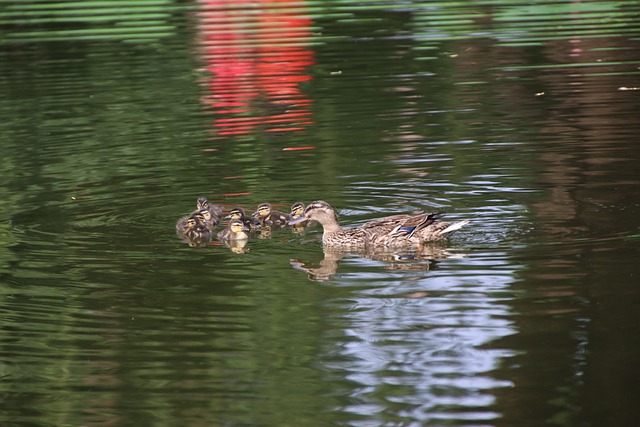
(298, 220)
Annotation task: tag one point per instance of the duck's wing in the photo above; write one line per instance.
(388, 222)
(415, 223)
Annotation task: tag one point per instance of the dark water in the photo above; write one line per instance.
(519, 117)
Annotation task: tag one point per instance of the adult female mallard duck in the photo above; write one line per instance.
(215, 210)
(236, 230)
(194, 229)
(270, 217)
(250, 222)
(391, 231)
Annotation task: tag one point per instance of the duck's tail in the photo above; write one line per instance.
(454, 227)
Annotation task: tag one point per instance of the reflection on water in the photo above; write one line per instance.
(256, 62)
(419, 258)
(521, 117)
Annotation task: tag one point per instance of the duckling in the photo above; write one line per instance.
(236, 230)
(216, 210)
(269, 217)
(193, 229)
(297, 210)
(249, 221)
(392, 231)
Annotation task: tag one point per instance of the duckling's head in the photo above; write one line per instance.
(200, 217)
(237, 226)
(202, 203)
(205, 214)
(236, 213)
(263, 211)
(297, 209)
(192, 223)
(317, 211)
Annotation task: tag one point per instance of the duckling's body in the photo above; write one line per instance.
(193, 229)
(270, 217)
(236, 230)
(250, 222)
(202, 204)
(391, 231)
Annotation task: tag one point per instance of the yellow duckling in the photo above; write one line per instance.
(236, 230)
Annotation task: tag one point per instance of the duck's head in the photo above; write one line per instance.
(202, 203)
(317, 211)
(263, 211)
(297, 209)
(236, 213)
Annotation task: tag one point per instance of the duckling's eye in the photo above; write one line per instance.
(206, 215)
(191, 222)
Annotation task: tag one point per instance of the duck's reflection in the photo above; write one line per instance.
(420, 258)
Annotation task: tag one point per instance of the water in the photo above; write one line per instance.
(521, 118)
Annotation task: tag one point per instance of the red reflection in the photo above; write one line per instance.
(256, 55)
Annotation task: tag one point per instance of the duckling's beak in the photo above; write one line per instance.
(298, 220)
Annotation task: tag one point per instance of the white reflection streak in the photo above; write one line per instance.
(425, 353)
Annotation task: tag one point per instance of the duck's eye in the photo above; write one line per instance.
(191, 222)
(206, 215)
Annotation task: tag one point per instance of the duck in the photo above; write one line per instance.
(393, 231)
(236, 230)
(193, 229)
(270, 217)
(203, 204)
(238, 213)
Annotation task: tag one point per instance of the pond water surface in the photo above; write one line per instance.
(522, 118)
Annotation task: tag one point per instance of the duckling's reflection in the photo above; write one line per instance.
(237, 246)
(421, 258)
(235, 236)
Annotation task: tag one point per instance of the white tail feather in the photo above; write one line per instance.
(455, 226)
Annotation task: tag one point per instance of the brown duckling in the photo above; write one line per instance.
(270, 217)
(194, 229)
(215, 210)
(250, 222)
